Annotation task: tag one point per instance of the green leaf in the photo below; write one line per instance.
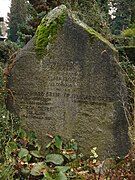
(27, 158)
(47, 176)
(67, 156)
(55, 158)
(36, 154)
(61, 176)
(22, 133)
(23, 153)
(31, 136)
(73, 156)
(70, 156)
(38, 169)
(11, 147)
(62, 168)
(58, 142)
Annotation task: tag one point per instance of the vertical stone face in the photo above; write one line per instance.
(76, 90)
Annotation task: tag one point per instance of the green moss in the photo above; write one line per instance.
(94, 34)
(100, 37)
(48, 29)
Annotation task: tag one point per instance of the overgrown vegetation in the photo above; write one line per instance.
(7, 49)
(20, 154)
(21, 158)
(129, 32)
(24, 161)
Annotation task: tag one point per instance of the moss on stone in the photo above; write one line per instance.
(94, 34)
(48, 29)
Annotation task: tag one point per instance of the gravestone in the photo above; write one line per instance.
(75, 89)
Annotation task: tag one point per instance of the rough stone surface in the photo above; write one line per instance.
(76, 90)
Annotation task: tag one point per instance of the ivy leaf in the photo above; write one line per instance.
(23, 153)
(61, 176)
(38, 169)
(36, 154)
(62, 168)
(22, 133)
(56, 159)
(58, 142)
(27, 158)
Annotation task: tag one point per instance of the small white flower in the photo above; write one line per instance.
(4, 117)
(95, 148)
(94, 161)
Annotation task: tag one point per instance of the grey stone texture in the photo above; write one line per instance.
(76, 91)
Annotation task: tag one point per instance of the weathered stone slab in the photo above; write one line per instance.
(75, 89)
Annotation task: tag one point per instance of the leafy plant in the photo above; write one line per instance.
(24, 161)
(130, 32)
(21, 157)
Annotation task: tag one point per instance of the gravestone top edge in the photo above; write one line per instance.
(59, 16)
(92, 32)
